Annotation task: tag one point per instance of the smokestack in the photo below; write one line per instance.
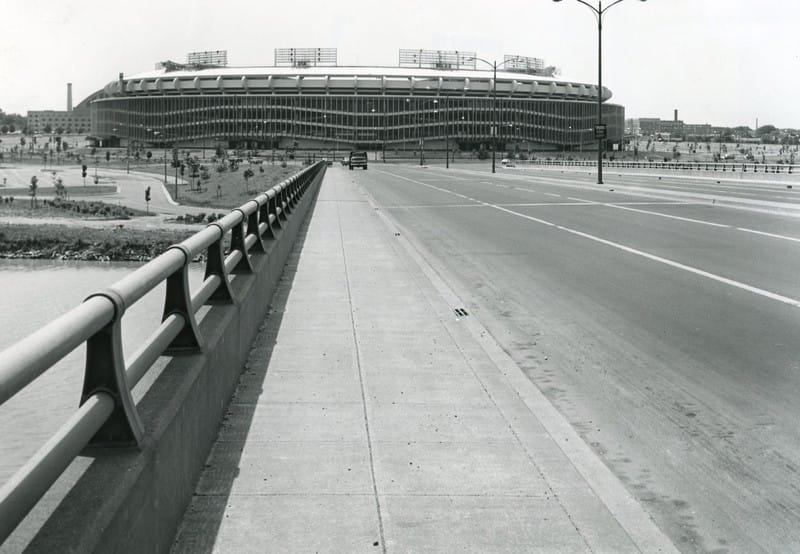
(69, 97)
(676, 115)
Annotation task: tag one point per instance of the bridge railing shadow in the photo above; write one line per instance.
(245, 399)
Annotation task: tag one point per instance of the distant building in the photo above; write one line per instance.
(75, 121)
(649, 126)
(323, 105)
(674, 128)
(697, 131)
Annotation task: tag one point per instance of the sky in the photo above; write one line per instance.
(723, 62)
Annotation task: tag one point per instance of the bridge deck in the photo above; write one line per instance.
(372, 418)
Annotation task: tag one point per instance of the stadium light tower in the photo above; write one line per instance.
(599, 11)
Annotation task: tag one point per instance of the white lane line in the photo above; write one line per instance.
(620, 206)
(671, 263)
(507, 205)
(426, 206)
(668, 216)
(624, 206)
(773, 235)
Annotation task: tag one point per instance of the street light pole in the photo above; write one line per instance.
(494, 115)
(496, 125)
(421, 139)
(446, 136)
(599, 11)
(600, 141)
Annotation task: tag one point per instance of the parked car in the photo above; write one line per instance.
(507, 162)
(358, 159)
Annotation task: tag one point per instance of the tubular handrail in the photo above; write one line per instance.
(740, 167)
(107, 414)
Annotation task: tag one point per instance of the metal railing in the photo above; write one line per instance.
(741, 167)
(107, 414)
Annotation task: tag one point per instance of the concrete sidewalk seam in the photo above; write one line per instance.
(361, 385)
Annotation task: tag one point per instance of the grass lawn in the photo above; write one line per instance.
(229, 189)
(88, 190)
(78, 209)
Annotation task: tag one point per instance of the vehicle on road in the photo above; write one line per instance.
(506, 162)
(358, 159)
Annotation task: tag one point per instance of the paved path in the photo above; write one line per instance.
(373, 418)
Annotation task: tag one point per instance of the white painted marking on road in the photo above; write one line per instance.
(668, 216)
(417, 206)
(546, 193)
(677, 265)
(773, 235)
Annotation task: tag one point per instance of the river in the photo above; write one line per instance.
(33, 293)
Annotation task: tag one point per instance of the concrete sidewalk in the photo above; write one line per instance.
(373, 418)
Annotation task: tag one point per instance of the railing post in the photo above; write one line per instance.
(178, 301)
(292, 191)
(263, 216)
(237, 243)
(252, 229)
(275, 209)
(215, 265)
(285, 200)
(105, 373)
(281, 202)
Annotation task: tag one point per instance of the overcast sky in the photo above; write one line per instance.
(724, 62)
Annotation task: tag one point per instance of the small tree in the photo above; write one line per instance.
(32, 190)
(61, 190)
(247, 174)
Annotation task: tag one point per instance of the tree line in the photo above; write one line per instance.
(11, 123)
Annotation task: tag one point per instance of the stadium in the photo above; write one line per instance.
(434, 100)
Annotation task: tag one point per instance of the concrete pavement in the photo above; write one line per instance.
(376, 416)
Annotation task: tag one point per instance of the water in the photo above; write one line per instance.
(33, 293)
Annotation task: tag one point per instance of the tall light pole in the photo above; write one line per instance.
(599, 11)
(446, 136)
(496, 125)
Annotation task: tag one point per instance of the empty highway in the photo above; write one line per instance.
(659, 315)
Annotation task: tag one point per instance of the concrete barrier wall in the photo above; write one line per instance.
(132, 500)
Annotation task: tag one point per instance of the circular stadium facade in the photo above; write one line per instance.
(376, 108)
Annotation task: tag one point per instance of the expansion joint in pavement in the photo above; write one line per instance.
(361, 385)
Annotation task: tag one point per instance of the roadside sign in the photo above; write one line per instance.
(600, 131)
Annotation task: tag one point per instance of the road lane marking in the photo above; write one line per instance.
(773, 235)
(508, 205)
(671, 185)
(671, 263)
(620, 205)
(679, 218)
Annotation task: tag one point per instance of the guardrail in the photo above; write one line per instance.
(107, 415)
(742, 167)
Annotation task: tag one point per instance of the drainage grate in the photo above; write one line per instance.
(461, 312)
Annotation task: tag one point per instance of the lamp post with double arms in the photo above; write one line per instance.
(496, 125)
(599, 11)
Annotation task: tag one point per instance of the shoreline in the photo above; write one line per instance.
(111, 242)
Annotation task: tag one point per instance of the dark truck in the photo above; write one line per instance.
(358, 159)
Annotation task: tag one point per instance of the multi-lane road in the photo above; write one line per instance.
(661, 316)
